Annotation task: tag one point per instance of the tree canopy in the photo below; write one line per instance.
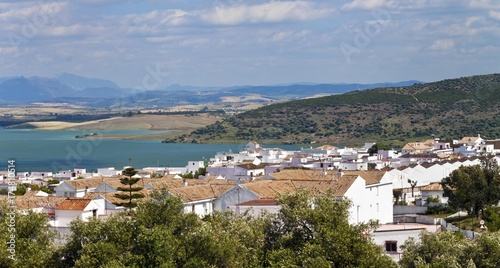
(473, 188)
(159, 234)
(451, 249)
(128, 182)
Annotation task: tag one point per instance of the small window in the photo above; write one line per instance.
(391, 246)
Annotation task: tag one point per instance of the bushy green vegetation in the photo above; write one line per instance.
(157, 233)
(474, 188)
(450, 249)
(449, 109)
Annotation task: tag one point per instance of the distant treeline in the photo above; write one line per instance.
(202, 111)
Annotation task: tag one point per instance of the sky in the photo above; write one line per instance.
(152, 44)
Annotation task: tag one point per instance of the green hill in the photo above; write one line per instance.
(449, 109)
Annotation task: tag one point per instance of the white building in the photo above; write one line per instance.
(71, 209)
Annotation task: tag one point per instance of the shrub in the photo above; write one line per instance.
(492, 218)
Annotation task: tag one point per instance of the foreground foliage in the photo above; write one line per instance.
(157, 233)
(474, 188)
(450, 249)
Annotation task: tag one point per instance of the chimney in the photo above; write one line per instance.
(184, 183)
(340, 174)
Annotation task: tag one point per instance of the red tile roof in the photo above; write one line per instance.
(74, 204)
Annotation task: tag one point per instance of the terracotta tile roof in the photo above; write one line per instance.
(468, 139)
(28, 201)
(260, 202)
(370, 176)
(418, 146)
(169, 182)
(108, 196)
(200, 192)
(86, 183)
(272, 188)
(300, 174)
(434, 186)
(219, 189)
(322, 188)
(115, 183)
(73, 204)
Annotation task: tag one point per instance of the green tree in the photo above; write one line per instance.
(320, 236)
(397, 193)
(33, 241)
(132, 194)
(492, 175)
(474, 188)
(451, 249)
(444, 249)
(20, 189)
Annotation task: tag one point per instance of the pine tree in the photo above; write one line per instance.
(132, 191)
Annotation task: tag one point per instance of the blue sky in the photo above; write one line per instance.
(151, 44)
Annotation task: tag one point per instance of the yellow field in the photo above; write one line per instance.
(177, 123)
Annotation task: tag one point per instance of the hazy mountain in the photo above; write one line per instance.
(178, 87)
(22, 89)
(304, 90)
(97, 92)
(80, 82)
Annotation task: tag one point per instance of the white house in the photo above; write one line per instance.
(256, 207)
(193, 166)
(392, 236)
(71, 209)
(77, 188)
(199, 199)
(108, 172)
(371, 198)
(435, 190)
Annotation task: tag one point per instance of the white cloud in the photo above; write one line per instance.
(366, 4)
(494, 14)
(264, 13)
(471, 20)
(443, 44)
(484, 4)
(158, 17)
(37, 12)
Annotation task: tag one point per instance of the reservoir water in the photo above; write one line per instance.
(42, 150)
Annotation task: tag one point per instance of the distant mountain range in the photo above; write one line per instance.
(451, 108)
(70, 88)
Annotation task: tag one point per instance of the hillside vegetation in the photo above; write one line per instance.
(448, 109)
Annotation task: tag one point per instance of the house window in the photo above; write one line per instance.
(391, 246)
(192, 208)
(94, 213)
